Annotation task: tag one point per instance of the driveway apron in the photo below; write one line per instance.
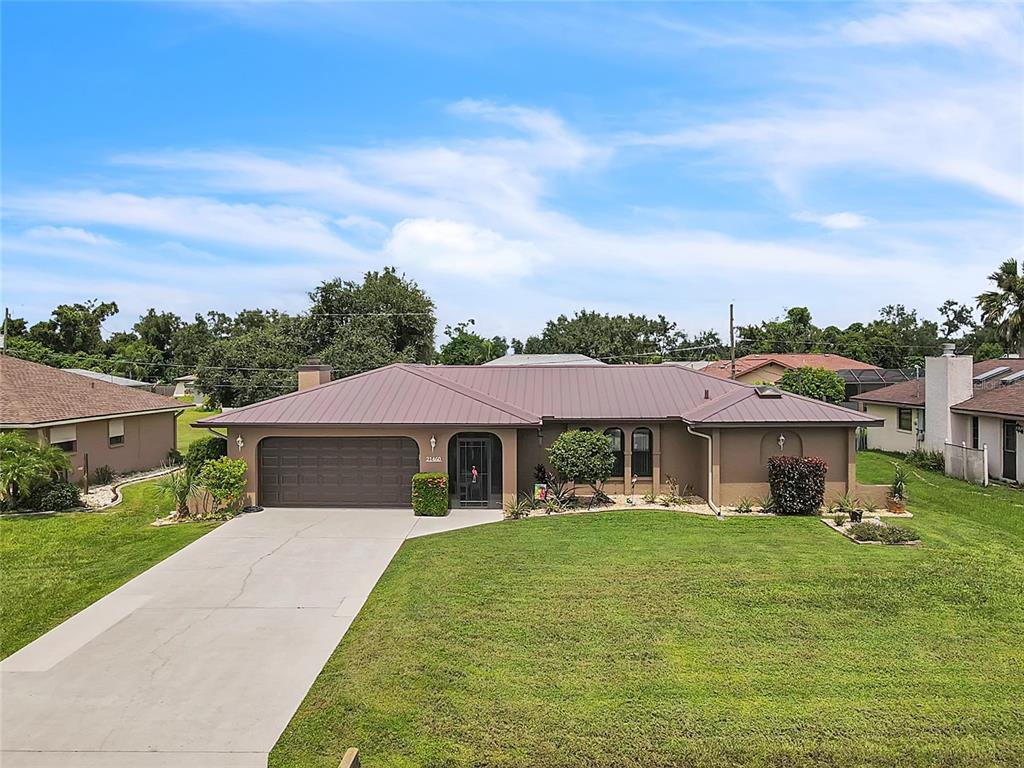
(203, 659)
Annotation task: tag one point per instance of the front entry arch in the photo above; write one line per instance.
(475, 470)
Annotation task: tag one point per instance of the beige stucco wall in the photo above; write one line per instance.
(889, 437)
(431, 460)
(147, 441)
(742, 456)
(676, 454)
(768, 374)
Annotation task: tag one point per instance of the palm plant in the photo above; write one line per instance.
(1003, 308)
(180, 486)
(25, 465)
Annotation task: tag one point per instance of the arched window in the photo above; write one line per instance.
(643, 452)
(618, 440)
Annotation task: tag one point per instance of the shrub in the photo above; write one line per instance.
(797, 484)
(819, 383)
(103, 475)
(224, 480)
(205, 449)
(519, 508)
(745, 505)
(844, 504)
(766, 503)
(583, 457)
(26, 466)
(430, 494)
(930, 460)
(55, 496)
(887, 534)
(174, 457)
(649, 498)
(839, 518)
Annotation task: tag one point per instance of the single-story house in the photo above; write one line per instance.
(566, 359)
(357, 441)
(123, 381)
(957, 401)
(97, 423)
(184, 386)
(767, 368)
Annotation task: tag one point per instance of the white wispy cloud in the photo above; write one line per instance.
(841, 220)
(995, 27)
(70, 234)
(277, 227)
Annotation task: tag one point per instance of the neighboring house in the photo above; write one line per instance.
(185, 386)
(567, 359)
(96, 422)
(768, 368)
(357, 441)
(861, 380)
(112, 379)
(956, 401)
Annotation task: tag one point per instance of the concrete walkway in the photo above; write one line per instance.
(203, 659)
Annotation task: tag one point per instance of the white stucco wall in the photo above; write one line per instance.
(889, 437)
(990, 433)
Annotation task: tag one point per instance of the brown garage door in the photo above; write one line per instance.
(337, 471)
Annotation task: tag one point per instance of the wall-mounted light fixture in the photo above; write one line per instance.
(782, 442)
(433, 442)
(240, 442)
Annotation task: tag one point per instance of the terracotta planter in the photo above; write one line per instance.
(896, 506)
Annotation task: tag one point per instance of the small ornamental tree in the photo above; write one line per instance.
(819, 383)
(797, 484)
(583, 457)
(203, 449)
(430, 494)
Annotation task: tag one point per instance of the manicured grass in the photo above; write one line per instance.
(652, 638)
(186, 432)
(54, 566)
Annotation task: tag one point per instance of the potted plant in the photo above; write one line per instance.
(896, 502)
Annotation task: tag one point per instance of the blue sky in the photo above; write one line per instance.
(518, 161)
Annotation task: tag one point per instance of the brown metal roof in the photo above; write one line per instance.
(33, 394)
(527, 395)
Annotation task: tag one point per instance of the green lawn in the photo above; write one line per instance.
(652, 638)
(186, 432)
(53, 566)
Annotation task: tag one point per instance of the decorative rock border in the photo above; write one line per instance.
(839, 529)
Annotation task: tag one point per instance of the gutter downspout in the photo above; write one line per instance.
(711, 502)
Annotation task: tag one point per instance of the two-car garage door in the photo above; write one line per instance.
(337, 471)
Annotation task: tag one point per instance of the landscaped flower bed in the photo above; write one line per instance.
(873, 531)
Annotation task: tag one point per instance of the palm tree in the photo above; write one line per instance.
(1003, 308)
(181, 486)
(25, 465)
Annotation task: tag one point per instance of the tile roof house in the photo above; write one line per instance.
(957, 402)
(769, 367)
(357, 441)
(97, 422)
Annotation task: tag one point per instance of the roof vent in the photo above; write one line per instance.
(949, 350)
(707, 394)
(768, 392)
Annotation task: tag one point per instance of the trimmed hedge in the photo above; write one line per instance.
(55, 496)
(204, 449)
(797, 484)
(430, 494)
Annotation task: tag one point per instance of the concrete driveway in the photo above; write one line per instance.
(203, 659)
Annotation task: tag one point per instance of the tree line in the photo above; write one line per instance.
(386, 317)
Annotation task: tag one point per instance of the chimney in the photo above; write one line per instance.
(948, 380)
(313, 374)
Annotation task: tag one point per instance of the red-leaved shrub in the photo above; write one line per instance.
(797, 484)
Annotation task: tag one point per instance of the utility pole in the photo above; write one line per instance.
(3, 336)
(732, 345)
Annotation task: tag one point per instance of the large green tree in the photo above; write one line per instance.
(157, 329)
(819, 383)
(340, 308)
(466, 347)
(619, 338)
(1003, 308)
(74, 327)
